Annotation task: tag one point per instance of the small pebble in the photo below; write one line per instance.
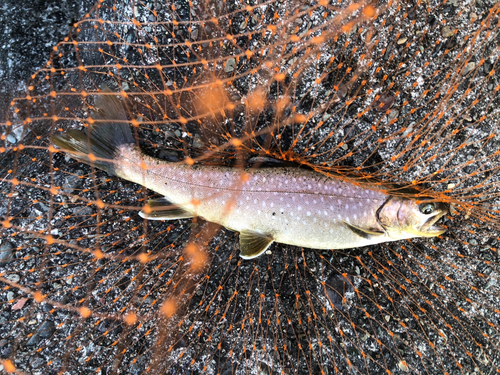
(230, 65)
(402, 366)
(394, 114)
(402, 40)
(47, 329)
(11, 138)
(14, 278)
(447, 31)
(6, 253)
(470, 67)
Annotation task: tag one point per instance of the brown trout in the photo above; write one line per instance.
(288, 205)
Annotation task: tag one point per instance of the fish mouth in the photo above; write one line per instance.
(428, 229)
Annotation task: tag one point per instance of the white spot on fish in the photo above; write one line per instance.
(308, 213)
(299, 208)
(355, 216)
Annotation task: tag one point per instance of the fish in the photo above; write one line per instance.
(284, 204)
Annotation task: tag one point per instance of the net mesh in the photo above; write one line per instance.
(379, 91)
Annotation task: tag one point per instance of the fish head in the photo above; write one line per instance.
(405, 218)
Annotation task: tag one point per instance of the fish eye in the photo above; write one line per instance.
(427, 208)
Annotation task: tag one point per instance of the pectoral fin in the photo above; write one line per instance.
(363, 232)
(253, 244)
(162, 209)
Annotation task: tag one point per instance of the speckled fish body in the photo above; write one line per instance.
(291, 205)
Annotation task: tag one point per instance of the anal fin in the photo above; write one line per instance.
(363, 232)
(162, 209)
(253, 244)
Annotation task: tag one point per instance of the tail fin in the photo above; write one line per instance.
(99, 145)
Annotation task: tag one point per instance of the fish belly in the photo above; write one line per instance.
(305, 219)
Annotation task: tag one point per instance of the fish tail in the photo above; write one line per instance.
(100, 144)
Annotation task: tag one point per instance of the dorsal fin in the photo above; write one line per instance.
(270, 162)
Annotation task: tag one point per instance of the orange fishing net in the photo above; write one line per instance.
(382, 91)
